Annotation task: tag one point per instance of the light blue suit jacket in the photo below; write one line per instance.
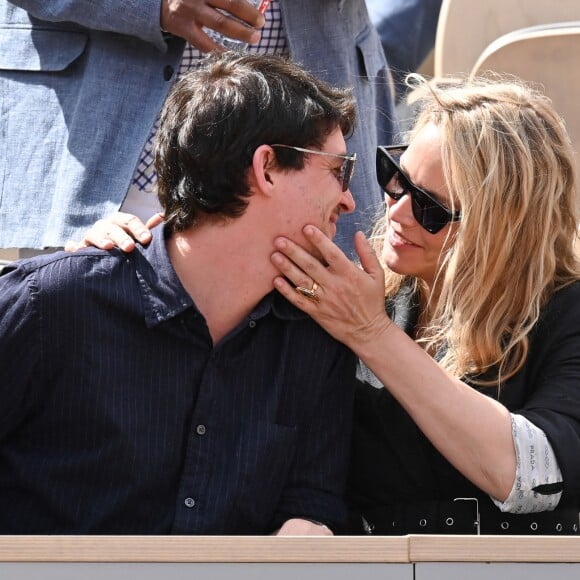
(81, 84)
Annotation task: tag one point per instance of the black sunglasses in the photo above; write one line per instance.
(430, 213)
(346, 169)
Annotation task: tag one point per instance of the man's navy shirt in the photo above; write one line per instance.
(118, 414)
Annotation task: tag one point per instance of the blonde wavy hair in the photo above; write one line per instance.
(509, 164)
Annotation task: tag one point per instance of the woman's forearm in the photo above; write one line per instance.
(472, 431)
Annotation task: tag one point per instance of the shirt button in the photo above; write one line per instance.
(189, 502)
(168, 72)
(252, 324)
(200, 429)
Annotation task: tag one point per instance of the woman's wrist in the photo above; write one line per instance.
(372, 339)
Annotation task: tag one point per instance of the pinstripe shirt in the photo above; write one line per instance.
(119, 415)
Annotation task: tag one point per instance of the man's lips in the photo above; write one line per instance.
(334, 216)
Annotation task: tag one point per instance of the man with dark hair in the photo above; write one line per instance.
(171, 390)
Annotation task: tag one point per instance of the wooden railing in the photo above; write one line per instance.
(299, 558)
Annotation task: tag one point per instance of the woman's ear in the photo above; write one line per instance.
(264, 170)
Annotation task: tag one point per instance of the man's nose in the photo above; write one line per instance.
(347, 203)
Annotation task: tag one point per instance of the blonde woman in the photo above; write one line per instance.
(477, 427)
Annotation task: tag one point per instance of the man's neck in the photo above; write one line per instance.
(225, 270)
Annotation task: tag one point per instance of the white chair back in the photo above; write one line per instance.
(466, 27)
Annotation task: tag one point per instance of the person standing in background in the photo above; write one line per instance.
(407, 29)
(92, 78)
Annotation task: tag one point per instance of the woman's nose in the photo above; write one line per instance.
(401, 210)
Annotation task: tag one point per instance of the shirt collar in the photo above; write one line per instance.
(164, 297)
(280, 307)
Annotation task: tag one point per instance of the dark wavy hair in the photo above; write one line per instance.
(217, 115)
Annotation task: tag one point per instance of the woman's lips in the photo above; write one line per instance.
(398, 240)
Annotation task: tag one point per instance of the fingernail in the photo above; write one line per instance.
(255, 38)
(143, 236)
(126, 246)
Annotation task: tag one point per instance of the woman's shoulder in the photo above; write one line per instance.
(561, 313)
(565, 299)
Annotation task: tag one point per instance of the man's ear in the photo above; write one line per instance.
(264, 170)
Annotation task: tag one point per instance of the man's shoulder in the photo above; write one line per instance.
(64, 269)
